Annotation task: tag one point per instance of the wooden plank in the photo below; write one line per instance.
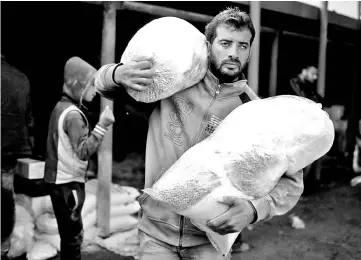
(253, 67)
(305, 11)
(105, 153)
(274, 65)
(166, 11)
(321, 82)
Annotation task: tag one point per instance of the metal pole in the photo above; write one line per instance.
(105, 153)
(322, 49)
(253, 67)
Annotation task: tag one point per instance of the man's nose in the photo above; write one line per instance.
(233, 53)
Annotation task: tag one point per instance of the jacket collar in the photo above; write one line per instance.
(225, 89)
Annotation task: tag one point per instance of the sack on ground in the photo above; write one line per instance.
(22, 238)
(122, 223)
(52, 239)
(122, 210)
(42, 250)
(123, 243)
(46, 223)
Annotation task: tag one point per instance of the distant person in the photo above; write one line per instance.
(16, 140)
(70, 144)
(356, 161)
(305, 84)
(16, 115)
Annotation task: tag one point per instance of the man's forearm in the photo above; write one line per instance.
(104, 81)
(282, 198)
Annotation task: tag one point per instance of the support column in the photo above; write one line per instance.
(322, 49)
(105, 153)
(253, 67)
(274, 65)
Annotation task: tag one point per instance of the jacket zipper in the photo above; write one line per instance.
(181, 230)
(182, 219)
(218, 89)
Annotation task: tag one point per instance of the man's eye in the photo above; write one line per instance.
(244, 46)
(225, 44)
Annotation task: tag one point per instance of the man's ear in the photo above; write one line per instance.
(249, 55)
(209, 46)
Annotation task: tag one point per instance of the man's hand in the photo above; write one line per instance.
(238, 216)
(106, 118)
(137, 75)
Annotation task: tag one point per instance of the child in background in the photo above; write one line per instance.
(69, 147)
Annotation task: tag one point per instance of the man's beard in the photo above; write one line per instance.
(223, 76)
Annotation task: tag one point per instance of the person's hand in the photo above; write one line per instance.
(106, 118)
(239, 215)
(137, 75)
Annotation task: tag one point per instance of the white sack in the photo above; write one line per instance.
(52, 239)
(89, 205)
(22, 238)
(122, 223)
(119, 195)
(90, 220)
(123, 243)
(36, 205)
(46, 223)
(42, 250)
(122, 210)
(245, 157)
(178, 52)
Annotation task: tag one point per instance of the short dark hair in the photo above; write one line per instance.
(231, 16)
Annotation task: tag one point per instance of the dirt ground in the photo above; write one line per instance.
(332, 216)
(333, 231)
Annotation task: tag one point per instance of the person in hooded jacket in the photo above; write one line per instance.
(70, 144)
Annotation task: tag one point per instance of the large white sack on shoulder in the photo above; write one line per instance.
(245, 157)
(178, 52)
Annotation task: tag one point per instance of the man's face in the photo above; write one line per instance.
(312, 74)
(229, 52)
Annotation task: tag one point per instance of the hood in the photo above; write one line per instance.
(77, 73)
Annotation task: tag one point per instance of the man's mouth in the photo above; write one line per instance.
(231, 65)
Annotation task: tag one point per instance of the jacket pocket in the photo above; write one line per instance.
(157, 211)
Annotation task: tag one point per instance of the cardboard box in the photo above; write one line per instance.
(30, 168)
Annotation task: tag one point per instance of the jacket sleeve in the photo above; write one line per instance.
(83, 144)
(295, 88)
(282, 198)
(104, 82)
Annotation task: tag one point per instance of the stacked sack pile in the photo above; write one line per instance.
(36, 230)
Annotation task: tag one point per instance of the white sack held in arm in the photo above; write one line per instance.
(250, 150)
(178, 52)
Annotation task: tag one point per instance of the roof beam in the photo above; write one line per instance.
(305, 11)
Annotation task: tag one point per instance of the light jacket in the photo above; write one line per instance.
(178, 123)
